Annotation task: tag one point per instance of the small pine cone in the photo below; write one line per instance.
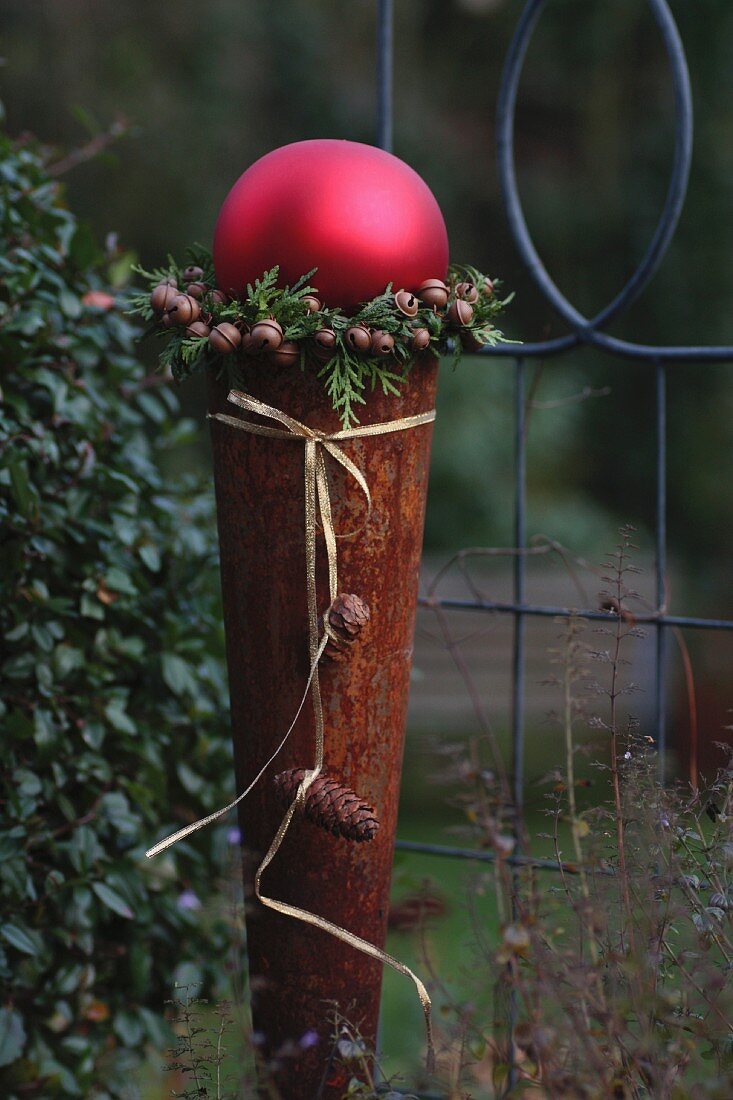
(336, 808)
(344, 621)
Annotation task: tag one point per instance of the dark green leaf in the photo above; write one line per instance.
(112, 900)
(12, 1035)
(177, 674)
(27, 942)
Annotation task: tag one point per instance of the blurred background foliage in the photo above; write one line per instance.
(208, 95)
(207, 91)
(594, 135)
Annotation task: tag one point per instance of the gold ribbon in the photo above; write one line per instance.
(317, 504)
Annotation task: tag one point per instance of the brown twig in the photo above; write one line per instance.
(93, 148)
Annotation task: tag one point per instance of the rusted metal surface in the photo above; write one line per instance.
(299, 973)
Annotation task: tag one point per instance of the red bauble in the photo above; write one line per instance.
(358, 214)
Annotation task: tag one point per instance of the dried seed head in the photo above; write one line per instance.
(516, 938)
(344, 621)
(330, 805)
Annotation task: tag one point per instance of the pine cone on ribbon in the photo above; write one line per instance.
(344, 621)
(329, 804)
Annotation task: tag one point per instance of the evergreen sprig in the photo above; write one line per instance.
(347, 376)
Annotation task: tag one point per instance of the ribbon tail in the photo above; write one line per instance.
(353, 941)
(169, 841)
(329, 535)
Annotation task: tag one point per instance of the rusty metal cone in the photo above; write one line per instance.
(296, 969)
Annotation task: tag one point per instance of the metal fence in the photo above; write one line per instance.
(582, 331)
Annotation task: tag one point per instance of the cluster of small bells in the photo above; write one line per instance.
(173, 307)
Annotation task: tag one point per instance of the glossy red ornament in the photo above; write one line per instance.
(363, 217)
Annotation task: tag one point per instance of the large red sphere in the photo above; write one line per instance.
(363, 217)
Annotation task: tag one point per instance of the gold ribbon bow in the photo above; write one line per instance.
(317, 505)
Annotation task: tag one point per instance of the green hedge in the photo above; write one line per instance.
(114, 697)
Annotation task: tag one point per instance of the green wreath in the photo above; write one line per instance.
(291, 327)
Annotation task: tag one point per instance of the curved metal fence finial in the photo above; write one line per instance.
(589, 330)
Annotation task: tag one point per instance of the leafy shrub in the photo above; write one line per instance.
(113, 688)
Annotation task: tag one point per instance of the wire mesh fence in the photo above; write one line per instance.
(654, 613)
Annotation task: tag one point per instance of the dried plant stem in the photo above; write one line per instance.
(615, 771)
(721, 940)
(264, 1079)
(617, 982)
(691, 704)
(708, 846)
(698, 988)
(98, 144)
(219, 1055)
(478, 705)
(191, 1035)
(568, 718)
(548, 983)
